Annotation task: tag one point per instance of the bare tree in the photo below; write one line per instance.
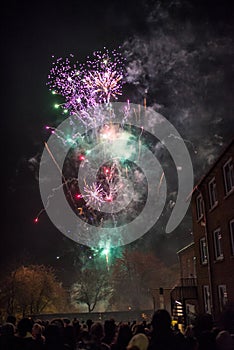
(92, 286)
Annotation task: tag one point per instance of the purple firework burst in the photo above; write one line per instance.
(99, 80)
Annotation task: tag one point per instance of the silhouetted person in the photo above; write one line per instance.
(69, 335)
(225, 338)
(38, 338)
(162, 336)
(226, 321)
(24, 340)
(123, 338)
(83, 339)
(109, 330)
(224, 341)
(96, 336)
(53, 338)
(203, 332)
(138, 328)
(11, 319)
(76, 325)
(7, 338)
(89, 323)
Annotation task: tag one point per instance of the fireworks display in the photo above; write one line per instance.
(93, 85)
(83, 85)
(120, 189)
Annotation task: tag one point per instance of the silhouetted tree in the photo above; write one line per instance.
(93, 286)
(31, 290)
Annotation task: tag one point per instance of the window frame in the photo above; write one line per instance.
(203, 245)
(231, 230)
(211, 202)
(206, 299)
(225, 177)
(199, 200)
(222, 290)
(216, 246)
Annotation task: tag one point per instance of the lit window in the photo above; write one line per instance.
(222, 293)
(212, 193)
(217, 244)
(199, 205)
(206, 296)
(203, 250)
(228, 176)
(232, 235)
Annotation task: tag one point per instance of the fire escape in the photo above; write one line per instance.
(186, 291)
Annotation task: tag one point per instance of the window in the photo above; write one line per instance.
(217, 244)
(199, 205)
(203, 250)
(232, 235)
(222, 293)
(212, 193)
(228, 176)
(206, 296)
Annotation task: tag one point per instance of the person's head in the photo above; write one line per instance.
(11, 319)
(97, 331)
(109, 328)
(161, 321)
(89, 323)
(52, 334)
(39, 321)
(124, 334)
(8, 329)
(36, 330)
(58, 322)
(66, 322)
(24, 326)
(140, 341)
(224, 341)
(203, 322)
(138, 328)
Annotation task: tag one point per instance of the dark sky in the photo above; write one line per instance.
(31, 33)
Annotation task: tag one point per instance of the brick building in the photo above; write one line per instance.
(187, 260)
(213, 230)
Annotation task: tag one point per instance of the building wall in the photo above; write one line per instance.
(188, 276)
(199, 232)
(215, 272)
(187, 261)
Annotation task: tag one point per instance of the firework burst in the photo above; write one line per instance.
(87, 90)
(97, 81)
(93, 195)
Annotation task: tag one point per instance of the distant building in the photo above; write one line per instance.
(184, 295)
(213, 230)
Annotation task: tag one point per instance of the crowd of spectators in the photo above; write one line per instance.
(65, 334)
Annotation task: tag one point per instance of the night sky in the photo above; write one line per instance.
(196, 94)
